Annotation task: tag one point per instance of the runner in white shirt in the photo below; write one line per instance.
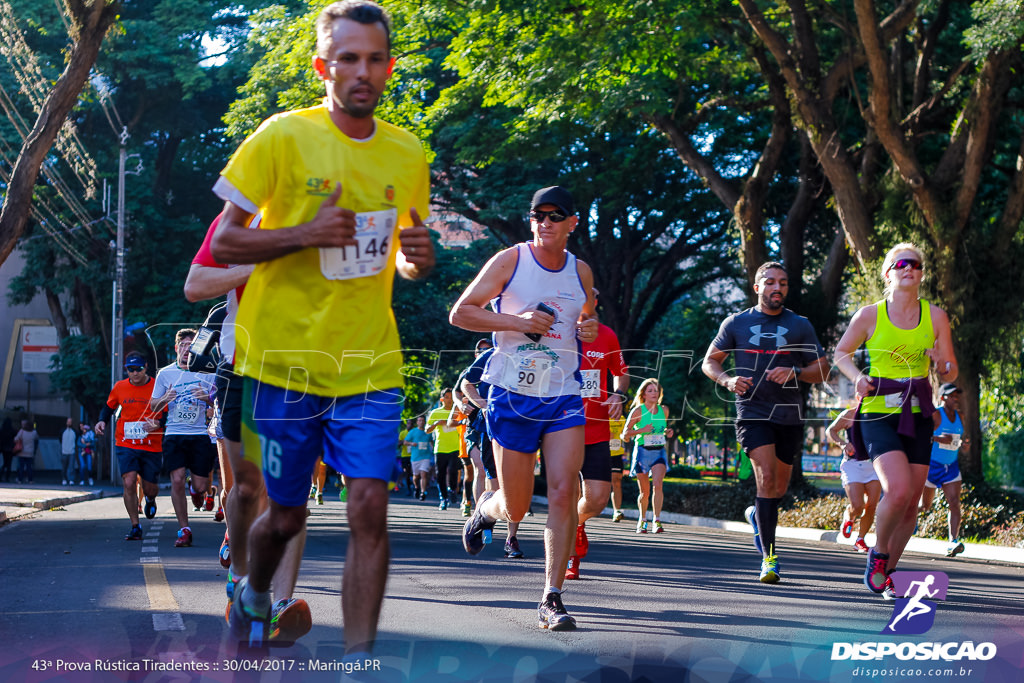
(186, 396)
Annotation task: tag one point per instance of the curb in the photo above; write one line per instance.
(925, 546)
(12, 510)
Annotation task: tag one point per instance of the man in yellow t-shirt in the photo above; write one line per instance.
(341, 194)
(446, 449)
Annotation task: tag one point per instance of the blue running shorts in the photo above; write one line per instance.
(518, 422)
(939, 475)
(357, 436)
(646, 458)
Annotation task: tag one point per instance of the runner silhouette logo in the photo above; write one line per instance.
(914, 610)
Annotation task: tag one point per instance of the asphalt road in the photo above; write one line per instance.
(81, 604)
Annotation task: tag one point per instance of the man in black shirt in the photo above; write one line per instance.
(773, 349)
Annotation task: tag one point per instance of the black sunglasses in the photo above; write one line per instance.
(133, 368)
(556, 216)
(906, 263)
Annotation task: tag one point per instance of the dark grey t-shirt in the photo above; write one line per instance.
(760, 342)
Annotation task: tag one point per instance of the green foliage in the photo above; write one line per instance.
(997, 26)
(152, 63)
(434, 351)
(1005, 458)
(82, 373)
(683, 472)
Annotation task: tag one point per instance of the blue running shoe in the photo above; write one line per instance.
(875, 574)
(249, 626)
(770, 570)
(751, 515)
(150, 507)
(477, 532)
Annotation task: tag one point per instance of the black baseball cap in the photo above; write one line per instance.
(948, 389)
(559, 196)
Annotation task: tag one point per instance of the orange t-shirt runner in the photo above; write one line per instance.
(134, 402)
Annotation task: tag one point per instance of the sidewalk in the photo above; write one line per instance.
(18, 500)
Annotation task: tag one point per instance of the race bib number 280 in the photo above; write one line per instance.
(369, 256)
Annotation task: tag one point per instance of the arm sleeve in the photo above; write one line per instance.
(724, 340)
(159, 385)
(204, 257)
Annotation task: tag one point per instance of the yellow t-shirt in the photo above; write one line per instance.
(319, 320)
(446, 439)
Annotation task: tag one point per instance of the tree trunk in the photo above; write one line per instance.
(89, 27)
(970, 414)
(60, 321)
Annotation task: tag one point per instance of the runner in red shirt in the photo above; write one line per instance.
(600, 357)
(138, 440)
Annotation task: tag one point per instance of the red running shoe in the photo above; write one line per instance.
(290, 620)
(582, 542)
(225, 552)
(572, 570)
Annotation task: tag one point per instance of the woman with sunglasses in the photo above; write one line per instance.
(905, 337)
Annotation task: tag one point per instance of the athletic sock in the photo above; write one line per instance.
(767, 511)
(551, 589)
(255, 602)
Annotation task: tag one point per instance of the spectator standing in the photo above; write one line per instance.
(7, 433)
(29, 439)
(86, 448)
(68, 448)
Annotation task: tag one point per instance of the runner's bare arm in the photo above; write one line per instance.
(586, 326)
(862, 326)
(469, 311)
(942, 355)
(712, 367)
(233, 242)
(207, 282)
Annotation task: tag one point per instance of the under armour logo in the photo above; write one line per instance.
(756, 338)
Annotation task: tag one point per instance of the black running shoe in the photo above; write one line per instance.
(512, 548)
(135, 534)
(150, 507)
(552, 615)
(477, 531)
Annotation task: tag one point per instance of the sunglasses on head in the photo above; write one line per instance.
(556, 216)
(902, 263)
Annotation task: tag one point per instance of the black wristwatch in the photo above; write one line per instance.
(797, 371)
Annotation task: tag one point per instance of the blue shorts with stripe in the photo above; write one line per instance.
(519, 422)
(357, 436)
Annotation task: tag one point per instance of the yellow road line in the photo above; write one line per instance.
(161, 599)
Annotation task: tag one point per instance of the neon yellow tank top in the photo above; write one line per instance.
(896, 353)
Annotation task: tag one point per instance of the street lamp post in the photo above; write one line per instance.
(117, 310)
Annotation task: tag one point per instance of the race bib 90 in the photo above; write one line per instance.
(529, 375)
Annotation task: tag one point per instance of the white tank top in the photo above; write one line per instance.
(548, 367)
